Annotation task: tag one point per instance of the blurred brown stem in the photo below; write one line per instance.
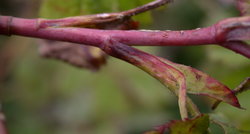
(3, 129)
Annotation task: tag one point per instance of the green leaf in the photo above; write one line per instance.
(225, 125)
(197, 125)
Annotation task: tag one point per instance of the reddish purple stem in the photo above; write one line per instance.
(94, 37)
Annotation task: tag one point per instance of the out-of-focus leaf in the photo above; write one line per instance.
(198, 125)
(60, 8)
(226, 126)
(243, 6)
(232, 130)
(79, 55)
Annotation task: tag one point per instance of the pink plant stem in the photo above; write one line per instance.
(30, 28)
(215, 34)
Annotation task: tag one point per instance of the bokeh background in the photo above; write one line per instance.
(41, 96)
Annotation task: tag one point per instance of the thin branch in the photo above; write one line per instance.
(147, 7)
(243, 86)
(100, 20)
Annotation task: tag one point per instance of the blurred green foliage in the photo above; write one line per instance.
(62, 8)
(46, 96)
(188, 127)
